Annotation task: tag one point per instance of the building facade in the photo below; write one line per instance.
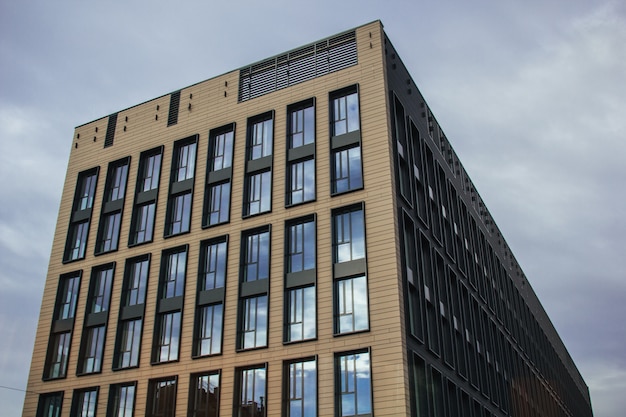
(293, 238)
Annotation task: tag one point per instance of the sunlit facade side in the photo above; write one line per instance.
(298, 238)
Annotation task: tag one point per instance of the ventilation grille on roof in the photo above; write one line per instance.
(297, 66)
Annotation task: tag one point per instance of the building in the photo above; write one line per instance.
(295, 238)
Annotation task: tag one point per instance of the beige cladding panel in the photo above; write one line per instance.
(209, 105)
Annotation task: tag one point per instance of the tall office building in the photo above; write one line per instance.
(293, 238)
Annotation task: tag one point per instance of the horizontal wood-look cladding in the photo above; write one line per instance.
(204, 106)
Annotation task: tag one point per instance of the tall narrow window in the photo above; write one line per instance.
(300, 279)
(80, 219)
(353, 384)
(144, 208)
(128, 355)
(257, 253)
(150, 170)
(301, 245)
(213, 268)
(259, 193)
(210, 297)
(173, 273)
(261, 138)
(352, 305)
(62, 326)
(121, 400)
(301, 314)
(161, 397)
(345, 108)
(209, 333)
(93, 340)
(219, 176)
(301, 153)
(50, 404)
(167, 337)
(96, 317)
(251, 392)
(58, 355)
(181, 187)
(130, 324)
(348, 234)
(84, 403)
(136, 281)
(301, 388)
(346, 171)
(111, 214)
(69, 286)
(254, 322)
(258, 178)
(204, 395)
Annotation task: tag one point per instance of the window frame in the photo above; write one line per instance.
(152, 398)
(240, 381)
(78, 402)
(289, 385)
(114, 403)
(194, 407)
(339, 391)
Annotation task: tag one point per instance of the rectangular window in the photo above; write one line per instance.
(184, 165)
(301, 246)
(301, 152)
(251, 392)
(259, 193)
(221, 145)
(80, 218)
(58, 355)
(209, 330)
(67, 298)
(77, 242)
(301, 314)
(219, 176)
(111, 214)
(348, 234)
(86, 190)
(100, 291)
(135, 281)
(110, 233)
(351, 305)
(93, 340)
(301, 388)
(167, 337)
(254, 322)
(213, 264)
(217, 205)
(301, 124)
(301, 181)
(121, 400)
(179, 215)
(173, 273)
(204, 395)
(50, 404)
(347, 172)
(149, 170)
(256, 264)
(260, 139)
(117, 177)
(161, 397)
(144, 223)
(84, 403)
(62, 326)
(130, 344)
(258, 177)
(345, 112)
(146, 193)
(353, 384)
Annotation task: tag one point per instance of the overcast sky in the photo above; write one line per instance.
(531, 94)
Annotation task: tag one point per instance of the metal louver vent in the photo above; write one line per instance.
(306, 63)
(110, 135)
